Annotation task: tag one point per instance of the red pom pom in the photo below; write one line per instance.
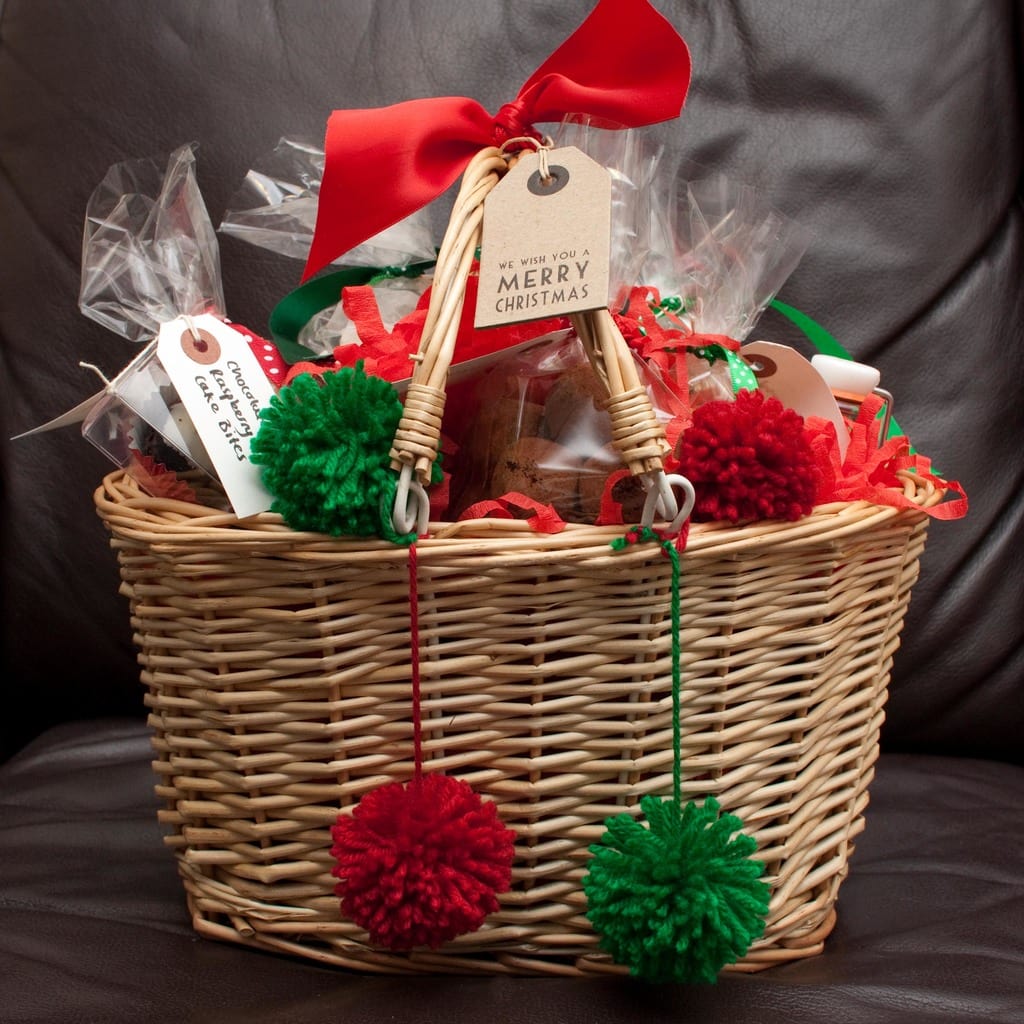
(422, 863)
(749, 459)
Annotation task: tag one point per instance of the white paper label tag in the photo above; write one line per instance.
(783, 373)
(223, 388)
(546, 241)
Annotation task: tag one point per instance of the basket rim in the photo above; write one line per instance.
(133, 515)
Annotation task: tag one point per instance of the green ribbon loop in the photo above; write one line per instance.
(825, 344)
(298, 307)
(741, 376)
(672, 304)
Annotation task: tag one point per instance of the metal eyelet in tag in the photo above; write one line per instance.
(223, 389)
(546, 239)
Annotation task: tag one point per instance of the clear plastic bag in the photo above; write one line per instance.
(149, 256)
(632, 160)
(723, 249)
(719, 254)
(275, 208)
(149, 251)
(533, 422)
(332, 327)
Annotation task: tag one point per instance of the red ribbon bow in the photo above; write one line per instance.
(625, 66)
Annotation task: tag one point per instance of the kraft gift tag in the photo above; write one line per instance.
(546, 239)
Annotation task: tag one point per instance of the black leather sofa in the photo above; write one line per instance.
(891, 128)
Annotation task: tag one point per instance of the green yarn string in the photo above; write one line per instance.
(678, 899)
(644, 535)
(323, 445)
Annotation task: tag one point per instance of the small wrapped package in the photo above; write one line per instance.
(718, 254)
(151, 274)
(532, 423)
(275, 208)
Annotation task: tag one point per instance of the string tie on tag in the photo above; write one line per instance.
(95, 369)
(543, 168)
(192, 329)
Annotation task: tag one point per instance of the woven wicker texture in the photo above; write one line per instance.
(277, 669)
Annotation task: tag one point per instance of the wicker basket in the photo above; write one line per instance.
(277, 668)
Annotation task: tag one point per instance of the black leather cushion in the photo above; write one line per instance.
(93, 926)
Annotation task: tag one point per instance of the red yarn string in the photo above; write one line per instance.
(414, 659)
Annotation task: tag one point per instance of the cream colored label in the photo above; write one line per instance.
(785, 374)
(546, 240)
(223, 388)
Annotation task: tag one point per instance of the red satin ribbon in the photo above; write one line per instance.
(625, 66)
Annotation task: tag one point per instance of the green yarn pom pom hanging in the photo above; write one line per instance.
(323, 444)
(680, 899)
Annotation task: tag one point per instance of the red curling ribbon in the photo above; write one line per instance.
(624, 67)
(610, 511)
(541, 518)
(869, 470)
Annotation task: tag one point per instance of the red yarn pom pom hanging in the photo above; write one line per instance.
(749, 459)
(421, 863)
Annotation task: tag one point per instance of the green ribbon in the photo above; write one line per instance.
(741, 376)
(827, 345)
(674, 304)
(298, 307)
(813, 331)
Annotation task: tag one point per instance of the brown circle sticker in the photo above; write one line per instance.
(200, 346)
(763, 366)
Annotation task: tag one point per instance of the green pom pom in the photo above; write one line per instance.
(679, 900)
(323, 444)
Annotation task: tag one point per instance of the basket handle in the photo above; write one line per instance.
(636, 433)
